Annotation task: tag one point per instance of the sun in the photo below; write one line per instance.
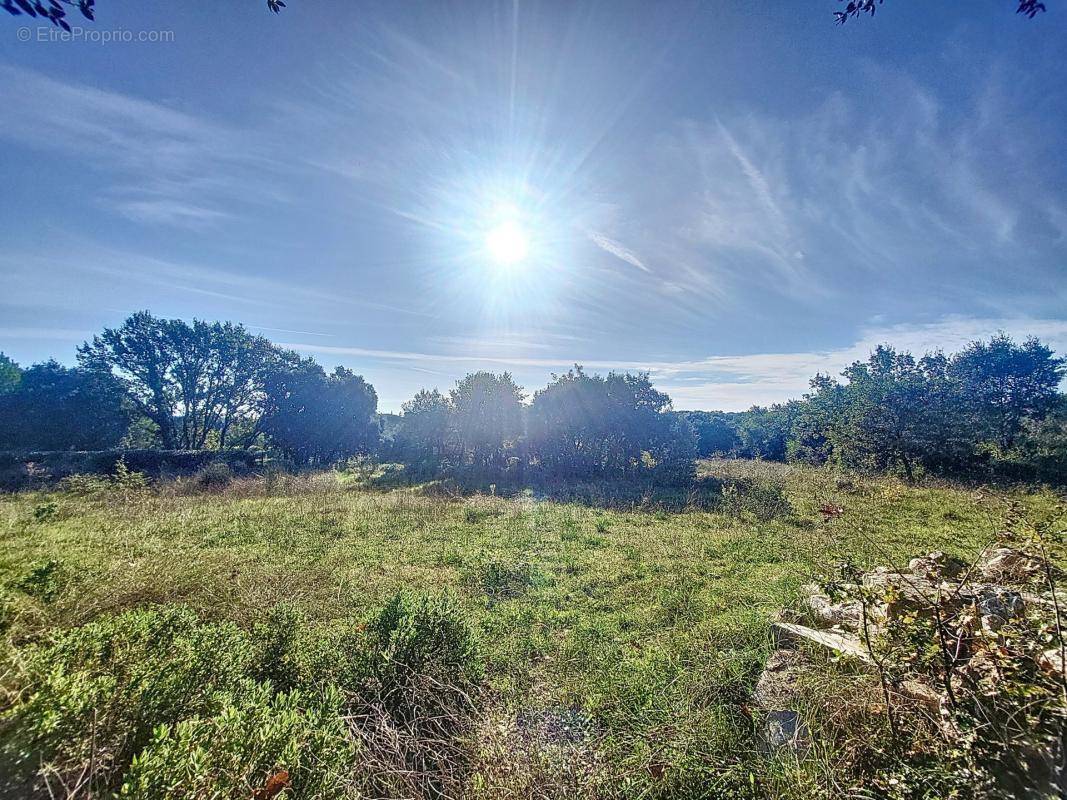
(507, 243)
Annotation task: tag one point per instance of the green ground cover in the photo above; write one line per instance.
(614, 650)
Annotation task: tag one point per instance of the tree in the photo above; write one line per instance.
(1000, 384)
(591, 427)
(856, 8)
(10, 374)
(764, 432)
(56, 408)
(190, 380)
(810, 436)
(486, 422)
(895, 414)
(715, 430)
(423, 433)
(318, 418)
(1042, 446)
(55, 11)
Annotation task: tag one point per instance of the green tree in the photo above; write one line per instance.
(810, 436)
(1000, 384)
(56, 408)
(1041, 448)
(423, 433)
(894, 412)
(192, 381)
(715, 430)
(318, 418)
(487, 419)
(591, 427)
(10, 374)
(764, 432)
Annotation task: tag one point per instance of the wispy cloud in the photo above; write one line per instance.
(727, 382)
(850, 197)
(160, 164)
(57, 334)
(35, 277)
(618, 250)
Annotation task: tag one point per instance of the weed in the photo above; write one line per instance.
(44, 582)
(45, 511)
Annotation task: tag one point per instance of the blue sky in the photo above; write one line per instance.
(732, 196)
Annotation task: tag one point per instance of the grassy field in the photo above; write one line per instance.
(629, 639)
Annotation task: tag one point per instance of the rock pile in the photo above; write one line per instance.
(972, 614)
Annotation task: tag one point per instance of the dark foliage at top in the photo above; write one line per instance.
(55, 11)
(856, 8)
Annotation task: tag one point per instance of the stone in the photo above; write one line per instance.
(1052, 661)
(937, 566)
(784, 632)
(785, 729)
(997, 606)
(848, 614)
(1008, 565)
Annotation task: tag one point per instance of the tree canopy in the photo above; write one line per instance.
(56, 408)
(587, 427)
(318, 418)
(10, 374)
(190, 380)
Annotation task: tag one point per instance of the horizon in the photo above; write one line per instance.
(419, 193)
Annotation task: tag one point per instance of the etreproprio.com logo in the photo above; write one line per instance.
(77, 33)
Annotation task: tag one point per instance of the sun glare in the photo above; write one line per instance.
(507, 243)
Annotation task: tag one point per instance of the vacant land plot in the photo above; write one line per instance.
(616, 648)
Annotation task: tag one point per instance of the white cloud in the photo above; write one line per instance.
(618, 250)
(162, 165)
(729, 382)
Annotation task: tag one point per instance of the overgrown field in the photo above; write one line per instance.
(349, 642)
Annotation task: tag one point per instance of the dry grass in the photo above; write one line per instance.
(650, 623)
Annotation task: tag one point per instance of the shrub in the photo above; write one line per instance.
(100, 691)
(84, 485)
(501, 580)
(128, 480)
(45, 511)
(416, 707)
(214, 477)
(256, 739)
(282, 648)
(44, 581)
(422, 636)
(764, 498)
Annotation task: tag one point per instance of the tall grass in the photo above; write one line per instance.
(617, 645)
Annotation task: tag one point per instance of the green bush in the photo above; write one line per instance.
(763, 498)
(44, 582)
(421, 637)
(214, 477)
(45, 511)
(95, 694)
(500, 580)
(256, 735)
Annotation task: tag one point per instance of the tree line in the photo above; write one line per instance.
(994, 409)
(174, 385)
